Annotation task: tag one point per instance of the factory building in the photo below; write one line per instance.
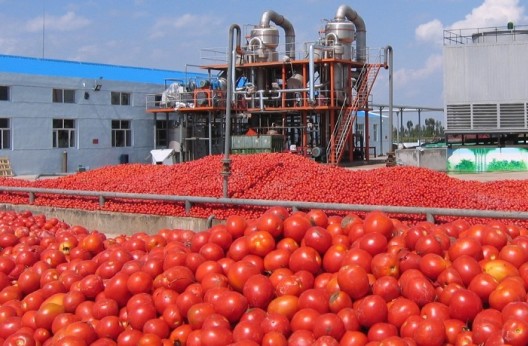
(61, 116)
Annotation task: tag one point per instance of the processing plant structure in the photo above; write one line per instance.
(301, 98)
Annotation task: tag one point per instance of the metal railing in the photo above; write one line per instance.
(188, 202)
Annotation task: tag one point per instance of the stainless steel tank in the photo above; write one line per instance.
(345, 32)
(263, 43)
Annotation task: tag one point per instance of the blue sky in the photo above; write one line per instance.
(168, 34)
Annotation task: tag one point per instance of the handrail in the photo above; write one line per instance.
(295, 205)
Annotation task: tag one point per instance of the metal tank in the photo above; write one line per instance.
(264, 38)
(263, 43)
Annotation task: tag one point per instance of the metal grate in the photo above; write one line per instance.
(512, 115)
(458, 117)
(485, 116)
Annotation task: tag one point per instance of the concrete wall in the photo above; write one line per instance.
(115, 223)
(432, 158)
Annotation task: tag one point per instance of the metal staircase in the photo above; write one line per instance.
(347, 115)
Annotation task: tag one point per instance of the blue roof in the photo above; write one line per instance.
(63, 68)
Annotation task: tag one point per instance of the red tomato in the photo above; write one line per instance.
(400, 309)
(429, 332)
(329, 324)
(378, 222)
(370, 310)
(295, 227)
(315, 298)
(464, 305)
(353, 280)
(318, 238)
(260, 243)
(231, 304)
(258, 290)
(271, 223)
(382, 331)
(515, 332)
(304, 319)
(239, 272)
(286, 305)
(305, 258)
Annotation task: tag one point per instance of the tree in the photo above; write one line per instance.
(409, 126)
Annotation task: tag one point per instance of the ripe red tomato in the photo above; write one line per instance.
(318, 238)
(378, 222)
(400, 309)
(295, 227)
(329, 324)
(464, 305)
(305, 258)
(239, 272)
(353, 280)
(304, 319)
(258, 290)
(231, 304)
(260, 243)
(370, 310)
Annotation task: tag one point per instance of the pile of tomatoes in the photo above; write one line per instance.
(275, 176)
(284, 278)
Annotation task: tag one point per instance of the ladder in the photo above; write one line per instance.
(347, 116)
(5, 167)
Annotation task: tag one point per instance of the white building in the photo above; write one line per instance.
(57, 116)
(378, 130)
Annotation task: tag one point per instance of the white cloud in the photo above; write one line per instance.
(406, 76)
(68, 22)
(430, 32)
(187, 24)
(491, 13)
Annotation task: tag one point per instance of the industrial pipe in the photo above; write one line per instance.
(389, 53)
(226, 162)
(311, 70)
(345, 12)
(286, 25)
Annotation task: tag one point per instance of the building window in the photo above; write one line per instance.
(63, 133)
(5, 134)
(375, 135)
(121, 133)
(4, 93)
(63, 96)
(161, 133)
(120, 99)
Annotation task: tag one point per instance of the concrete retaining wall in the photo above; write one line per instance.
(432, 158)
(115, 223)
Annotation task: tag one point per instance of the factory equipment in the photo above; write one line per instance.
(307, 98)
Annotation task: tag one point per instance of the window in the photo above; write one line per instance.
(161, 133)
(63, 96)
(5, 134)
(63, 133)
(375, 134)
(4, 93)
(121, 133)
(120, 99)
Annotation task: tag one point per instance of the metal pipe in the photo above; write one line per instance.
(345, 11)
(389, 63)
(311, 74)
(226, 162)
(64, 161)
(189, 200)
(311, 71)
(286, 25)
